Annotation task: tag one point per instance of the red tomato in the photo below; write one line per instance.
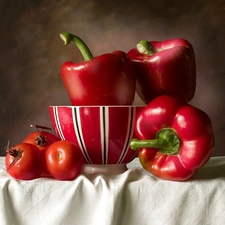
(41, 139)
(24, 161)
(64, 160)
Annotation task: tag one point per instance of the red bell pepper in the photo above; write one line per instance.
(175, 138)
(164, 68)
(104, 80)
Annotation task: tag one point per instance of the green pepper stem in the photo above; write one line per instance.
(167, 141)
(85, 51)
(146, 47)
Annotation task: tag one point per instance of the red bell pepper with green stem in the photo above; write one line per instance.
(175, 138)
(107, 79)
(164, 68)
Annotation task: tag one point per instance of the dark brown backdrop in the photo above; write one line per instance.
(32, 52)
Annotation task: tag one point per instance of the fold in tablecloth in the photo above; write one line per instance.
(132, 198)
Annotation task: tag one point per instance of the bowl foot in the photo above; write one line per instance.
(110, 169)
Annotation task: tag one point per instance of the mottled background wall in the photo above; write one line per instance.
(32, 52)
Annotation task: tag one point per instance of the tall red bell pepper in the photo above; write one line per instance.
(175, 138)
(164, 67)
(107, 79)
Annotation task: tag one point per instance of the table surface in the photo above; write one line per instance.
(133, 198)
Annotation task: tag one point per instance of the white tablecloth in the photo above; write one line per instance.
(132, 198)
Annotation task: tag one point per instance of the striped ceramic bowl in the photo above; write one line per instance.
(103, 133)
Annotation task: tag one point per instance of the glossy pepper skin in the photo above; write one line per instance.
(175, 138)
(164, 68)
(107, 79)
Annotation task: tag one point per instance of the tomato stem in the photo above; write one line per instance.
(40, 140)
(38, 126)
(15, 153)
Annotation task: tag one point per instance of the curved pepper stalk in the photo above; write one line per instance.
(146, 47)
(85, 51)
